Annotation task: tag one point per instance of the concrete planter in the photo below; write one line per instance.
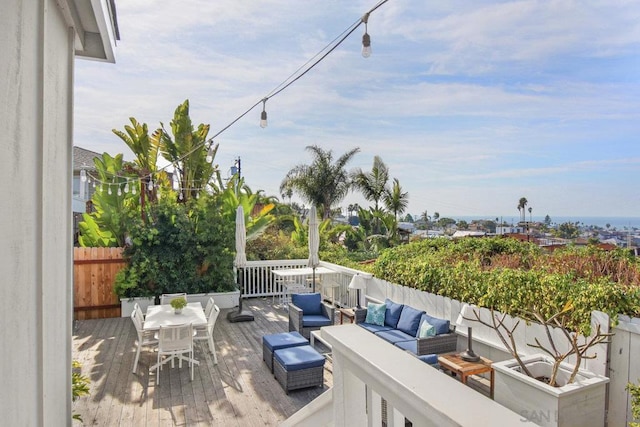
(581, 403)
(126, 304)
(222, 299)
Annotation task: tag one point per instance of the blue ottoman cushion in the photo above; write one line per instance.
(298, 358)
(315, 320)
(284, 340)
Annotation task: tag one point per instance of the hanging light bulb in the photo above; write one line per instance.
(366, 39)
(150, 185)
(83, 175)
(119, 191)
(109, 191)
(210, 153)
(126, 187)
(94, 184)
(263, 115)
(133, 190)
(180, 197)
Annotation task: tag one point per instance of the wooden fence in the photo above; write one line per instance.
(94, 273)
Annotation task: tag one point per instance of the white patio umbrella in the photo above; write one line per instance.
(314, 243)
(240, 262)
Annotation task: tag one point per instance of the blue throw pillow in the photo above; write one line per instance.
(392, 314)
(308, 303)
(409, 320)
(441, 325)
(375, 314)
(426, 330)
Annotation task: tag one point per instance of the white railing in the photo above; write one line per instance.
(260, 282)
(367, 369)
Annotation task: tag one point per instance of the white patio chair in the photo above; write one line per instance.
(207, 333)
(167, 298)
(209, 308)
(175, 342)
(145, 338)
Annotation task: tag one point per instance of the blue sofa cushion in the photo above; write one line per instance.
(284, 340)
(410, 345)
(431, 359)
(297, 358)
(315, 320)
(374, 328)
(308, 303)
(392, 313)
(394, 335)
(375, 313)
(441, 325)
(410, 320)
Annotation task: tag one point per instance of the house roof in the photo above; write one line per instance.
(83, 158)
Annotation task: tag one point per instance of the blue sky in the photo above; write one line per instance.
(472, 105)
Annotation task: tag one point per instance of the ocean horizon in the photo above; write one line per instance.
(617, 222)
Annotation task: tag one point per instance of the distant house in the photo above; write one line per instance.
(83, 170)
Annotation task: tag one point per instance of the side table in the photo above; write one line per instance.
(348, 313)
(455, 364)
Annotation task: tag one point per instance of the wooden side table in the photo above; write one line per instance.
(455, 364)
(348, 313)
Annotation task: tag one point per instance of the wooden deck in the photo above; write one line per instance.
(238, 391)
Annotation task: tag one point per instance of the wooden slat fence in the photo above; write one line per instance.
(94, 273)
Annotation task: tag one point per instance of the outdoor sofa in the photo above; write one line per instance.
(402, 325)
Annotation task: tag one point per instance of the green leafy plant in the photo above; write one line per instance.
(79, 385)
(178, 303)
(634, 390)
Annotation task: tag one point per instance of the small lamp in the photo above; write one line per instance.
(357, 283)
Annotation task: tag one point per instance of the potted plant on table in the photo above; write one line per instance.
(178, 304)
(545, 388)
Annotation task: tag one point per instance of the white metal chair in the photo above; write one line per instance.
(207, 333)
(167, 298)
(175, 342)
(145, 338)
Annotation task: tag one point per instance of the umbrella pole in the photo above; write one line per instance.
(240, 315)
(314, 279)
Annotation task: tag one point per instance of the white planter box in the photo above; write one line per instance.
(581, 403)
(222, 299)
(126, 304)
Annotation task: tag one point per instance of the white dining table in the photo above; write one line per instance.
(288, 278)
(164, 315)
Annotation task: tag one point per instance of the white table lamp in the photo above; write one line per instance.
(358, 282)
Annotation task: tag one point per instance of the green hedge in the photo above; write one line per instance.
(512, 276)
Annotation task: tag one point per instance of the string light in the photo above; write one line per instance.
(210, 153)
(263, 115)
(366, 39)
(126, 187)
(150, 185)
(83, 175)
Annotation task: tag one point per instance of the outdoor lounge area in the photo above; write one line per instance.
(240, 390)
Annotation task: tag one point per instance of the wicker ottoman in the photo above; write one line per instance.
(298, 367)
(273, 342)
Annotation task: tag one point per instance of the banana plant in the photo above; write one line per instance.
(256, 220)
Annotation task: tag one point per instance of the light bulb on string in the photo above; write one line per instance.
(109, 191)
(263, 115)
(180, 197)
(119, 191)
(150, 185)
(83, 175)
(126, 187)
(210, 153)
(366, 39)
(133, 190)
(94, 184)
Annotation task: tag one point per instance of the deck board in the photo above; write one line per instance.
(238, 391)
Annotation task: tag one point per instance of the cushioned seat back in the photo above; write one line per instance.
(392, 313)
(308, 303)
(409, 320)
(442, 326)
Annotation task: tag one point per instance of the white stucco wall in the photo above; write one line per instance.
(36, 47)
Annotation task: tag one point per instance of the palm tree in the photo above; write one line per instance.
(395, 199)
(522, 203)
(372, 184)
(323, 182)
